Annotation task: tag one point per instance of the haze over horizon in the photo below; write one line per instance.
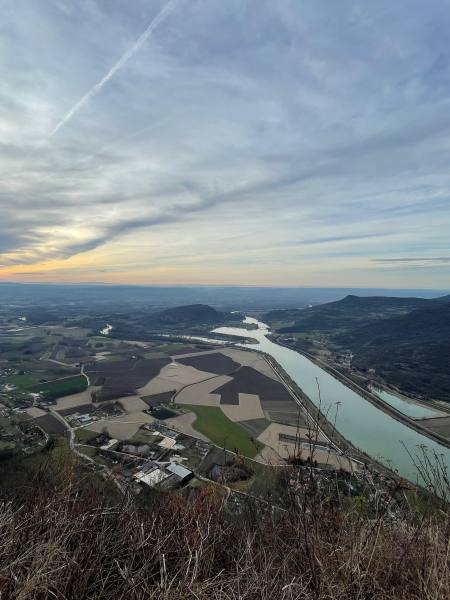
(275, 143)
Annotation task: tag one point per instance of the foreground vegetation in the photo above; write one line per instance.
(66, 535)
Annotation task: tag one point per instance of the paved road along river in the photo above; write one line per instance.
(359, 421)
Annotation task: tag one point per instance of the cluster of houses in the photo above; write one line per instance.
(161, 462)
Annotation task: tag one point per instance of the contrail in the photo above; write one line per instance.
(160, 17)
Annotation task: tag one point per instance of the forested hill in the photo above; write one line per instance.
(405, 340)
(347, 311)
(193, 318)
(192, 314)
(429, 324)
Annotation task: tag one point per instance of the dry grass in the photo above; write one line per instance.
(65, 539)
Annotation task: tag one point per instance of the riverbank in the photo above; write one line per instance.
(327, 425)
(329, 429)
(372, 398)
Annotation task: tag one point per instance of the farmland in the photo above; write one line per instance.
(217, 427)
(52, 390)
(216, 362)
(123, 377)
(215, 393)
(51, 425)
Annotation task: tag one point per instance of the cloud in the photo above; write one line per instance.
(426, 260)
(305, 137)
(156, 22)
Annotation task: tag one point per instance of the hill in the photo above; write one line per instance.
(410, 351)
(405, 340)
(193, 314)
(142, 323)
(345, 312)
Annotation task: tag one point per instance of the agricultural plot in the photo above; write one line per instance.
(251, 359)
(249, 381)
(123, 378)
(132, 404)
(285, 439)
(187, 350)
(81, 409)
(202, 393)
(155, 355)
(51, 425)
(284, 411)
(75, 400)
(36, 373)
(172, 348)
(248, 408)
(25, 381)
(216, 363)
(122, 428)
(163, 413)
(158, 399)
(184, 424)
(34, 411)
(83, 435)
(52, 390)
(216, 426)
(255, 427)
(173, 376)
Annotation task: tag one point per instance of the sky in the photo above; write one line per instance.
(256, 142)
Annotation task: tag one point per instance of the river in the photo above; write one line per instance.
(359, 421)
(406, 406)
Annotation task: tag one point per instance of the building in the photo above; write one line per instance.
(181, 472)
(152, 477)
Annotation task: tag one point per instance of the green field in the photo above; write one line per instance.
(144, 437)
(82, 436)
(23, 381)
(62, 387)
(217, 427)
(90, 451)
(155, 355)
(169, 348)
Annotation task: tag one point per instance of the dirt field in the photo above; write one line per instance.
(82, 409)
(249, 408)
(35, 412)
(251, 359)
(173, 376)
(51, 424)
(183, 423)
(190, 351)
(132, 404)
(271, 437)
(214, 362)
(284, 411)
(76, 399)
(157, 399)
(249, 381)
(122, 428)
(124, 377)
(158, 385)
(255, 426)
(201, 393)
